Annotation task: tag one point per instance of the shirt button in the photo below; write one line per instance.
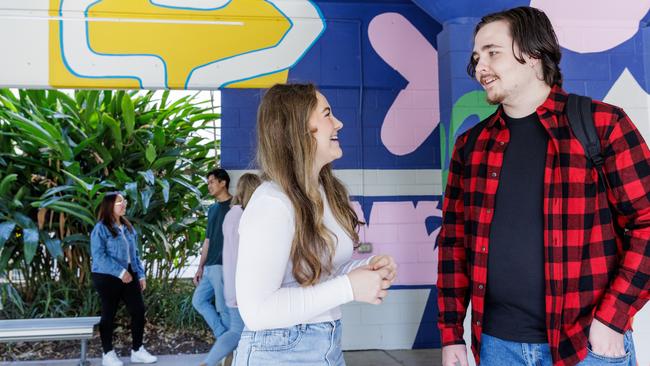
(483, 249)
(493, 174)
(480, 287)
(501, 143)
(489, 210)
(478, 322)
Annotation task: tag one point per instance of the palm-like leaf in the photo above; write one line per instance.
(60, 152)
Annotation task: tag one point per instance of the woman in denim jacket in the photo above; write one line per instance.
(118, 274)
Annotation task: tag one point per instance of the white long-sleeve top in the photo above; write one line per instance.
(267, 293)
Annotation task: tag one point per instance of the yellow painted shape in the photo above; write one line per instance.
(186, 46)
(61, 77)
(183, 47)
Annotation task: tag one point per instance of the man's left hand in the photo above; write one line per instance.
(143, 284)
(606, 341)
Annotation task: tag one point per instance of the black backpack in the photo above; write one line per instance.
(581, 121)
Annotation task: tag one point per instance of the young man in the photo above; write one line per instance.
(555, 260)
(209, 276)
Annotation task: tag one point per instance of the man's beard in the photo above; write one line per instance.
(495, 99)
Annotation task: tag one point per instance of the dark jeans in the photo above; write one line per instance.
(111, 290)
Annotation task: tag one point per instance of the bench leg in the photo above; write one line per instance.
(84, 344)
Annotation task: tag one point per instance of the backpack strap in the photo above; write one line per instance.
(581, 121)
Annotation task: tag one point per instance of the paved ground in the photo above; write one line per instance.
(428, 357)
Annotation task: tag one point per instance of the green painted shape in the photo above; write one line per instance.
(470, 104)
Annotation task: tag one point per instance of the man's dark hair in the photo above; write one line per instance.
(533, 33)
(221, 175)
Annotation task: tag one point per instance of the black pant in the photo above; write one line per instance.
(111, 290)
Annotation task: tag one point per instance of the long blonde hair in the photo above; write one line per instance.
(286, 151)
(246, 185)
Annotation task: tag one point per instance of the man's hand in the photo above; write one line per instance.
(454, 355)
(606, 341)
(198, 276)
(143, 284)
(126, 278)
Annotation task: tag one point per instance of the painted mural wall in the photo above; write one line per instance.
(397, 80)
(393, 71)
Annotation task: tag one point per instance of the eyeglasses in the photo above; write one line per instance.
(124, 202)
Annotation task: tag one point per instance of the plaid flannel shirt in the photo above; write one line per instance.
(592, 268)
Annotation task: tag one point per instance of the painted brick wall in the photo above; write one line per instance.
(396, 183)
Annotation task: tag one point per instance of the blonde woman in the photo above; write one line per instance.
(297, 235)
(227, 342)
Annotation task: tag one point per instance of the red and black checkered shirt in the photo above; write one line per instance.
(592, 268)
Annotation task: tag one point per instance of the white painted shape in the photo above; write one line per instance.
(391, 314)
(86, 63)
(360, 337)
(371, 182)
(392, 325)
(629, 95)
(351, 176)
(351, 314)
(194, 4)
(21, 66)
(641, 334)
(307, 25)
(398, 336)
(24, 5)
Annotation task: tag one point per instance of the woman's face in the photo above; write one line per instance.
(119, 209)
(325, 127)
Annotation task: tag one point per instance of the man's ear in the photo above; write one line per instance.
(531, 60)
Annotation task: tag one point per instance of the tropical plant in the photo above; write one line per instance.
(61, 152)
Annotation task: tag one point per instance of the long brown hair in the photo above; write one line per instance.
(246, 185)
(286, 151)
(533, 33)
(106, 216)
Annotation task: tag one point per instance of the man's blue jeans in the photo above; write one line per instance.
(498, 352)
(210, 289)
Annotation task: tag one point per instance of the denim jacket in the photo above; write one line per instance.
(109, 254)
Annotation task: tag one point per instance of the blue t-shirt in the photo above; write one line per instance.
(214, 232)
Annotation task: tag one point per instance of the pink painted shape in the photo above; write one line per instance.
(398, 229)
(593, 25)
(415, 112)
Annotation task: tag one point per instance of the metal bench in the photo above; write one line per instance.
(49, 329)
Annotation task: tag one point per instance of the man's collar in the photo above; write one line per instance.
(554, 103)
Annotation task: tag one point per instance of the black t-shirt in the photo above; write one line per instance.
(514, 301)
(214, 232)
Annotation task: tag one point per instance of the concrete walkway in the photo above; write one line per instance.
(425, 357)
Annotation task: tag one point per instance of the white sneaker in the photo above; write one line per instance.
(142, 356)
(111, 359)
